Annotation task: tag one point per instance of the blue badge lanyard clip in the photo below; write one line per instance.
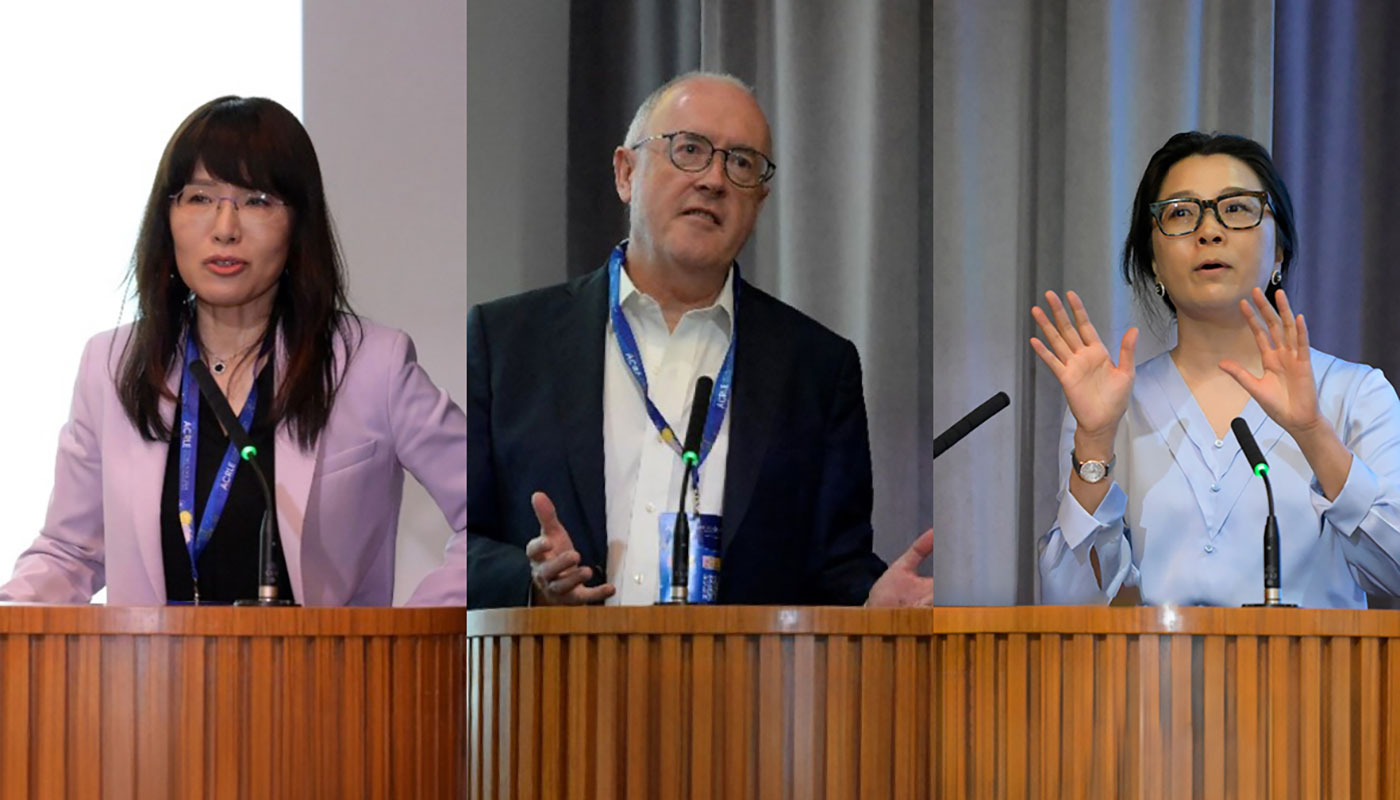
(197, 540)
(632, 357)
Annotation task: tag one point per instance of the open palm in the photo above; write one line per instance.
(1287, 391)
(1096, 389)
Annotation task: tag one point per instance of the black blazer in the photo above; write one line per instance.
(797, 488)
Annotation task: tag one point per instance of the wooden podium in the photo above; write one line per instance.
(231, 702)
(1029, 702)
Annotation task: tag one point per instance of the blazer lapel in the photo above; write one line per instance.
(760, 372)
(581, 332)
(145, 465)
(291, 483)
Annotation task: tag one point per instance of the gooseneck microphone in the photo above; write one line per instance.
(964, 426)
(1272, 591)
(268, 540)
(690, 456)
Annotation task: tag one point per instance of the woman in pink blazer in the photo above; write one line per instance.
(237, 266)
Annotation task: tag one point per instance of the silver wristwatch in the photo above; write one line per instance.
(1091, 471)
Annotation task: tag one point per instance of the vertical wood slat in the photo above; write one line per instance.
(1368, 745)
(552, 716)
(1017, 725)
(481, 682)
(1391, 774)
(1077, 716)
(904, 741)
(1282, 763)
(155, 720)
(840, 778)
(1339, 716)
(528, 726)
(984, 714)
(1216, 740)
(353, 737)
(954, 707)
(85, 718)
(578, 713)
(610, 678)
(1183, 768)
(1310, 718)
(703, 727)
(1149, 715)
(773, 744)
(1246, 685)
(50, 714)
(1050, 698)
(1111, 715)
(669, 764)
(296, 688)
(876, 695)
(738, 727)
(118, 716)
(808, 692)
(638, 697)
(191, 768)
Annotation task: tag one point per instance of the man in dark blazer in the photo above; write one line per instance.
(796, 480)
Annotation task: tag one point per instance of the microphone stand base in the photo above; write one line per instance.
(265, 601)
(1269, 605)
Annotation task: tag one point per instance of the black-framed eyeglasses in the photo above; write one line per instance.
(692, 152)
(1238, 211)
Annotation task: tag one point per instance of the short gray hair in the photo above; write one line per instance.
(643, 115)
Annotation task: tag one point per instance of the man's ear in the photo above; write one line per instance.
(623, 165)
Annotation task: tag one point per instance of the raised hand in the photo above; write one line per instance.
(902, 585)
(1097, 390)
(554, 563)
(1286, 391)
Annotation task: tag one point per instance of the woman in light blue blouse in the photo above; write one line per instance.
(1152, 479)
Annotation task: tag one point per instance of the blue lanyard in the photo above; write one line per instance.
(627, 342)
(196, 542)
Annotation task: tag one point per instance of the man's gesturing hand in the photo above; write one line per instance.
(554, 563)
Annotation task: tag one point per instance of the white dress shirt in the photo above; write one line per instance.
(1184, 517)
(642, 474)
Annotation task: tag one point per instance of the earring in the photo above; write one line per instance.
(1277, 277)
(1160, 289)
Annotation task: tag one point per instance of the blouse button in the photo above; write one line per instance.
(1210, 548)
(1219, 443)
(1215, 487)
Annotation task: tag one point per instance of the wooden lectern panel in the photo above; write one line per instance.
(225, 702)
(1034, 702)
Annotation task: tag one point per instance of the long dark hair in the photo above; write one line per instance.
(256, 143)
(1137, 250)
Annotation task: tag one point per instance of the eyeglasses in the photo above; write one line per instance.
(692, 152)
(1237, 211)
(202, 204)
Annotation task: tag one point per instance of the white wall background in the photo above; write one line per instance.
(95, 91)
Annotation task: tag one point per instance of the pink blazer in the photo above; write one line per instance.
(337, 504)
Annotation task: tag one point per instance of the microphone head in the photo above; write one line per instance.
(699, 412)
(1249, 446)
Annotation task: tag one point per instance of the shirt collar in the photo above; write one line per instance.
(721, 311)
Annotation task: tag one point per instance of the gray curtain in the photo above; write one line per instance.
(619, 51)
(1337, 121)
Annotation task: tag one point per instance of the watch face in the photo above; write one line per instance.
(1092, 471)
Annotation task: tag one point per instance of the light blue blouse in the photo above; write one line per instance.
(1184, 517)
